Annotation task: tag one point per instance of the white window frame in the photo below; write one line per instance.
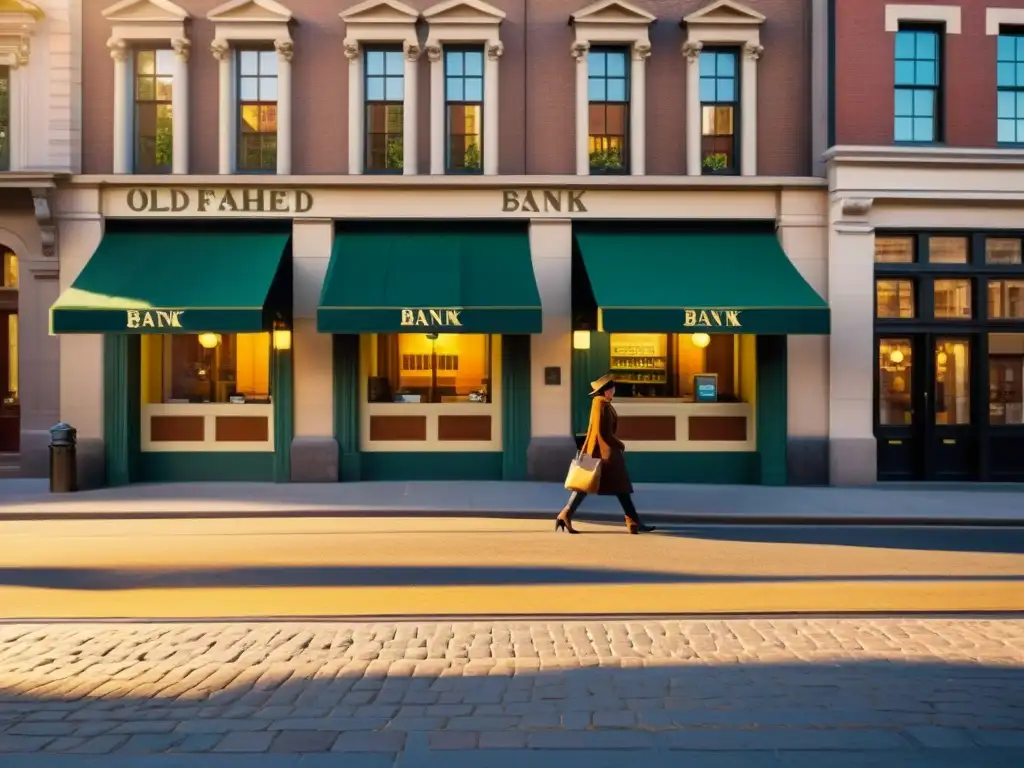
(949, 15)
(723, 22)
(137, 21)
(610, 22)
(461, 22)
(368, 23)
(16, 28)
(251, 21)
(997, 17)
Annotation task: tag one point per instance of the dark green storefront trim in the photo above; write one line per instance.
(714, 468)
(122, 413)
(507, 464)
(658, 281)
(402, 277)
(206, 467)
(175, 282)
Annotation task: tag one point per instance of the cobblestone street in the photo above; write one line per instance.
(733, 692)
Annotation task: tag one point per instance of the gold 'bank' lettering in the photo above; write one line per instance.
(432, 318)
(161, 318)
(713, 318)
(543, 201)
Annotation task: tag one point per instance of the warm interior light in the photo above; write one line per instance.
(581, 339)
(700, 340)
(942, 358)
(209, 340)
(896, 357)
(282, 339)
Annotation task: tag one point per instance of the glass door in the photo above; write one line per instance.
(952, 446)
(10, 403)
(899, 422)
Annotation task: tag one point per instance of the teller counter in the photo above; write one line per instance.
(655, 425)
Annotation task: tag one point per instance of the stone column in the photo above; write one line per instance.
(314, 450)
(552, 444)
(579, 52)
(221, 50)
(410, 134)
(179, 106)
(851, 250)
(355, 106)
(748, 109)
(638, 109)
(122, 133)
(284, 50)
(435, 55)
(691, 50)
(492, 101)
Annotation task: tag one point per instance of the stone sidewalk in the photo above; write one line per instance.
(666, 503)
(779, 692)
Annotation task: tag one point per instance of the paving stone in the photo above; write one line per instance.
(22, 743)
(296, 742)
(99, 745)
(150, 726)
(150, 743)
(454, 740)
(385, 741)
(246, 741)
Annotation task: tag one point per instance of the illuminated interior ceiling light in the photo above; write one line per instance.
(896, 357)
(700, 340)
(209, 340)
(581, 339)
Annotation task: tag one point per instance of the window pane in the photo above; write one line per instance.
(10, 274)
(726, 65)
(394, 89)
(895, 298)
(924, 129)
(616, 64)
(456, 92)
(1007, 131)
(596, 89)
(249, 121)
(248, 89)
(375, 89)
(394, 63)
(1007, 104)
(895, 381)
(181, 370)
(597, 122)
(165, 62)
(952, 382)
(727, 90)
(268, 63)
(1002, 250)
(375, 62)
(248, 63)
(11, 390)
(615, 119)
(1006, 75)
(474, 89)
(616, 90)
(708, 63)
(595, 63)
(708, 92)
(384, 137)
(663, 365)
(926, 45)
(268, 89)
(894, 250)
(412, 368)
(453, 64)
(947, 250)
(474, 62)
(145, 63)
(145, 89)
(953, 299)
(1006, 378)
(903, 129)
(905, 45)
(905, 73)
(164, 88)
(1005, 299)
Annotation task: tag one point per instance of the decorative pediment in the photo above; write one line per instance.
(463, 12)
(611, 12)
(725, 12)
(380, 12)
(145, 12)
(250, 11)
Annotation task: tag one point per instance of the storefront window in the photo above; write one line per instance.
(11, 397)
(895, 381)
(894, 250)
(206, 368)
(895, 298)
(430, 368)
(663, 365)
(947, 250)
(1006, 299)
(10, 266)
(952, 382)
(1006, 378)
(1002, 250)
(953, 299)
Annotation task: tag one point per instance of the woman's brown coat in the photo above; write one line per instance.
(602, 443)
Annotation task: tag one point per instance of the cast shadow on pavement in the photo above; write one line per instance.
(299, 707)
(100, 579)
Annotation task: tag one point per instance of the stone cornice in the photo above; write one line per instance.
(934, 156)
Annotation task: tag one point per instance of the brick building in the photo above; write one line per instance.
(399, 241)
(926, 279)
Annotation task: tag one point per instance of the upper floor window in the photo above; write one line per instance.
(608, 94)
(918, 97)
(719, 108)
(464, 102)
(385, 95)
(1010, 87)
(5, 118)
(154, 84)
(257, 110)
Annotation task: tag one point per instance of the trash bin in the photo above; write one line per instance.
(63, 459)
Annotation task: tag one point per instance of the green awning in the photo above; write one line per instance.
(660, 282)
(170, 282)
(413, 280)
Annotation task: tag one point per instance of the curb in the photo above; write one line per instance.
(664, 518)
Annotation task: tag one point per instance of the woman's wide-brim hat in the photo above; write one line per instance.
(600, 385)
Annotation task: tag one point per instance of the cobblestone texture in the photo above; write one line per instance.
(904, 687)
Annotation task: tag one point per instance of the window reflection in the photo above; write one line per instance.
(1006, 378)
(1005, 299)
(952, 382)
(894, 250)
(663, 364)
(895, 298)
(206, 368)
(1002, 250)
(953, 299)
(895, 381)
(430, 368)
(947, 250)
(10, 267)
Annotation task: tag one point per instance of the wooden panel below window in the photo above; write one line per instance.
(728, 428)
(477, 428)
(646, 428)
(177, 429)
(243, 429)
(396, 428)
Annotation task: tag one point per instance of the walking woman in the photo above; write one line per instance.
(601, 443)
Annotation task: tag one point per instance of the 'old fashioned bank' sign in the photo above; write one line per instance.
(712, 318)
(213, 201)
(543, 201)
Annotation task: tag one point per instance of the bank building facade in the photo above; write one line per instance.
(397, 242)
